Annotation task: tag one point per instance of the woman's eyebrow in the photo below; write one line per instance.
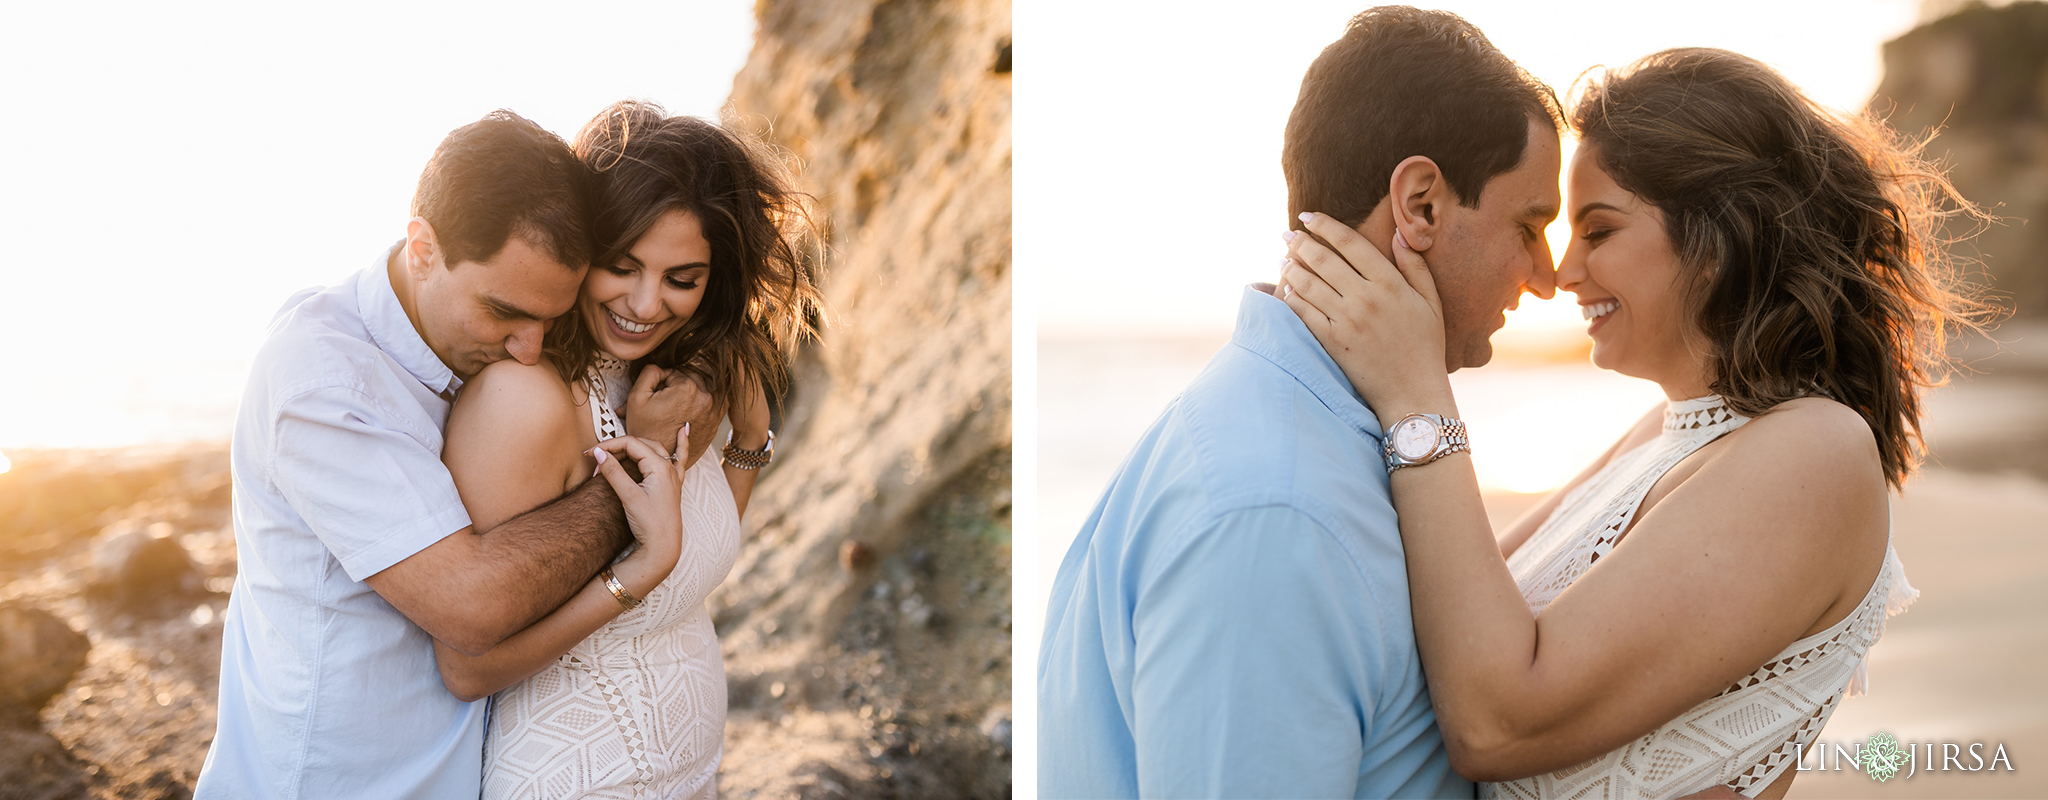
(1580, 215)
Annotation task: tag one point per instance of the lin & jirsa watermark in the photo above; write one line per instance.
(1883, 757)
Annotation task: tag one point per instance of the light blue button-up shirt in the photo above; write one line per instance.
(1233, 619)
(326, 691)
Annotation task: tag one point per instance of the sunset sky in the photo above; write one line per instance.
(1151, 182)
(178, 170)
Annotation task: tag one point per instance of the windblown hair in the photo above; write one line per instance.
(1810, 243)
(1405, 82)
(502, 176)
(761, 299)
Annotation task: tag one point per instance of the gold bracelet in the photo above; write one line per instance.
(625, 598)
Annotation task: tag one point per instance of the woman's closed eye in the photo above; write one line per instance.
(1594, 235)
(684, 284)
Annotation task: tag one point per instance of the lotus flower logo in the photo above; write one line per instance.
(1882, 757)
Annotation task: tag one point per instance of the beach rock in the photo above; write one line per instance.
(1978, 81)
(137, 568)
(34, 766)
(896, 437)
(39, 654)
(997, 726)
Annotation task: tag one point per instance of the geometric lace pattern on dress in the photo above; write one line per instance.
(638, 708)
(1745, 736)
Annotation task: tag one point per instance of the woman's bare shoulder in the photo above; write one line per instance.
(1807, 452)
(508, 395)
(1817, 431)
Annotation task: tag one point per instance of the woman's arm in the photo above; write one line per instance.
(1735, 563)
(749, 432)
(515, 440)
(527, 652)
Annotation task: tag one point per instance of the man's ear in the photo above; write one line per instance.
(422, 250)
(1419, 194)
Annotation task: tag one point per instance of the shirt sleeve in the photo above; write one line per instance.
(373, 493)
(1254, 644)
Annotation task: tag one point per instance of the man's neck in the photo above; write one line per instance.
(402, 285)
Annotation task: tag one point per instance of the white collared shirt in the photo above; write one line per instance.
(326, 691)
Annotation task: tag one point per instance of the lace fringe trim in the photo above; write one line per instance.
(1901, 595)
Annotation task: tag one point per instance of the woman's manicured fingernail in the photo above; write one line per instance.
(686, 430)
(1401, 241)
(1285, 263)
(600, 455)
(1307, 216)
(1288, 236)
(1286, 290)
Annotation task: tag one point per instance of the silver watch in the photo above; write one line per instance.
(1421, 438)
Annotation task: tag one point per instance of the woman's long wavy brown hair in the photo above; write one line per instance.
(761, 299)
(1811, 243)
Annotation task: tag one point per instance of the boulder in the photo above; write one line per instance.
(894, 449)
(39, 654)
(1977, 82)
(137, 568)
(34, 766)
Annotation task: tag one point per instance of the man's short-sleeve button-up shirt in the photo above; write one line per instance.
(326, 691)
(1232, 620)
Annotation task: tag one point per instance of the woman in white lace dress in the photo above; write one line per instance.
(1693, 605)
(621, 691)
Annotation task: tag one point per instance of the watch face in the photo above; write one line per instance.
(1414, 438)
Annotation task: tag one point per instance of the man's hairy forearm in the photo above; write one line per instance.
(544, 556)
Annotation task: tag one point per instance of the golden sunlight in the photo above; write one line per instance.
(5, 465)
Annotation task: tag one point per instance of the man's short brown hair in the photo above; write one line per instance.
(1406, 82)
(504, 175)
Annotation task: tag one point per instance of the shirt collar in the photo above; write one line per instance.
(1266, 326)
(393, 332)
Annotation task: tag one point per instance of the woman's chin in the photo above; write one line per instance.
(1603, 357)
(613, 346)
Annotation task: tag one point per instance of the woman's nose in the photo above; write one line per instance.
(1572, 270)
(646, 298)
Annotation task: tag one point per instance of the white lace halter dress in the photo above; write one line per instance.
(1743, 737)
(638, 709)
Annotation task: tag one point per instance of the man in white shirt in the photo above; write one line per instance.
(355, 551)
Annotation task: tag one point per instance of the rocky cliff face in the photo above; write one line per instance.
(866, 623)
(1980, 76)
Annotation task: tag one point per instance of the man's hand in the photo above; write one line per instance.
(661, 401)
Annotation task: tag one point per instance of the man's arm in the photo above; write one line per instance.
(473, 590)
(380, 499)
(1253, 663)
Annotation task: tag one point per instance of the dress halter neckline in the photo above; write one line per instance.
(1709, 413)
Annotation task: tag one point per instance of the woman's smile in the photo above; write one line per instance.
(1597, 312)
(627, 328)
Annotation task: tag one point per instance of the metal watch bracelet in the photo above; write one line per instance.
(1449, 436)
